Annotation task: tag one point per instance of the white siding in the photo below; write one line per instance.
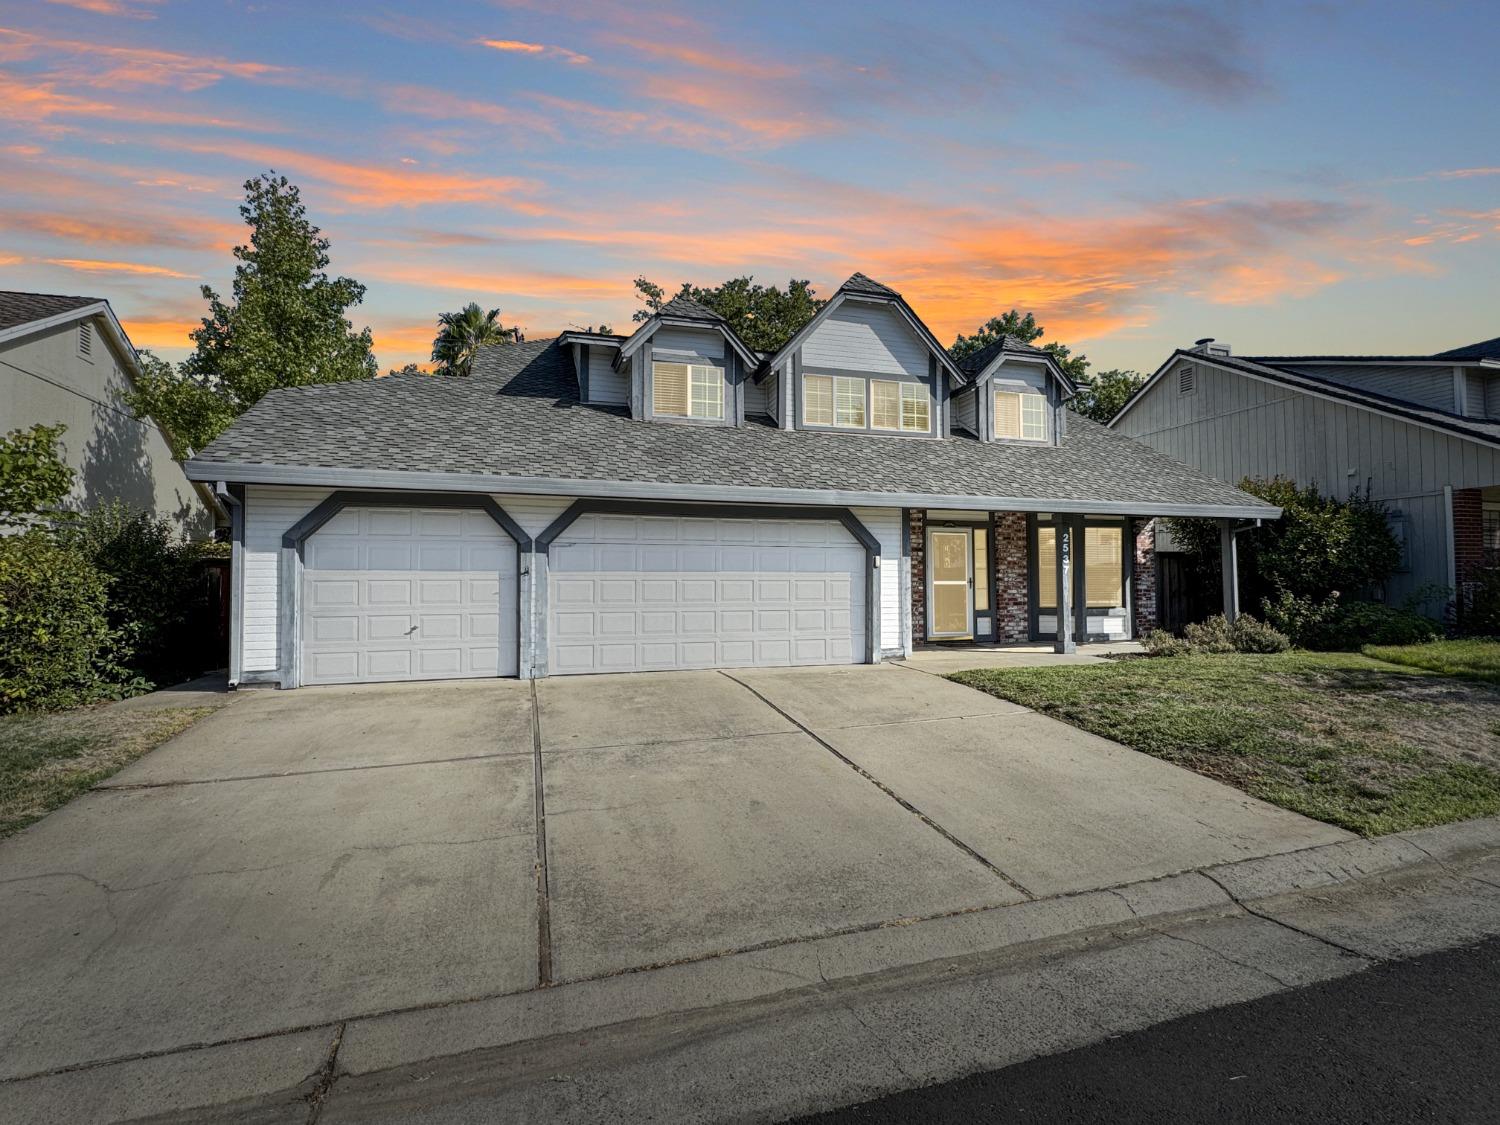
(1430, 386)
(885, 525)
(771, 388)
(874, 338)
(606, 385)
(269, 512)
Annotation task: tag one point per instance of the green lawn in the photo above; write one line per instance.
(1472, 659)
(1356, 742)
(47, 760)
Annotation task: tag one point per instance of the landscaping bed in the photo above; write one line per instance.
(48, 759)
(1344, 738)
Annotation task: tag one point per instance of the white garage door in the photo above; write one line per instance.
(408, 594)
(629, 593)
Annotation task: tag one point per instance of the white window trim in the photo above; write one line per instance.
(834, 382)
(905, 392)
(699, 375)
(1022, 397)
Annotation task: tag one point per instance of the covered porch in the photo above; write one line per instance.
(1019, 583)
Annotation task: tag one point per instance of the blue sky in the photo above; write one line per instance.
(1320, 177)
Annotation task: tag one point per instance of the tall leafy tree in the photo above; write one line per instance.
(460, 336)
(1028, 331)
(1102, 394)
(764, 316)
(284, 324)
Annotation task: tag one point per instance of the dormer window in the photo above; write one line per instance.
(1020, 416)
(832, 400)
(687, 390)
(899, 406)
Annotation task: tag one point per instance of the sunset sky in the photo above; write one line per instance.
(1286, 177)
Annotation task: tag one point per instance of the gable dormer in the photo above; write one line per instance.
(864, 364)
(1018, 394)
(686, 365)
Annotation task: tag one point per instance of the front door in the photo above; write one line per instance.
(950, 583)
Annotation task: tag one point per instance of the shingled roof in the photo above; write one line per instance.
(518, 415)
(975, 362)
(1485, 349)
(18, 308)
(689, 309)
(859, 283)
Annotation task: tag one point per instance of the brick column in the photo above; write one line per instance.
(1143, 586)
(1468, 542)
(1012, 587)
(917, 525)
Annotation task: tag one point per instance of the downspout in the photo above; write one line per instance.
(236, 510)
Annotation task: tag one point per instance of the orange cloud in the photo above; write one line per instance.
(422, 101)
(160, 332)
(110, 8)
(517, 46)
(122, 230)
(92, 265)
(369, 185)
(111, 65)
(491, 287)
(11, 259)
(42, 102)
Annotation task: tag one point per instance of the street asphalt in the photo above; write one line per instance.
(1407, 1041)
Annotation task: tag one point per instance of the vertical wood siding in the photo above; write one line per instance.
(606, 385)
(1234, 427)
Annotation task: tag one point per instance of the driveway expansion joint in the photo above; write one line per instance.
(1265, 917)
(324, 1079)
(884, 788)
(543, 888)
(126, 787)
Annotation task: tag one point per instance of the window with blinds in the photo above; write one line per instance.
(687, 390)
(1020, 416)
(1104, 567)
(885, 405)
(833, 400)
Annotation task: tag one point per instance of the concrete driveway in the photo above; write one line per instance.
(305, 857)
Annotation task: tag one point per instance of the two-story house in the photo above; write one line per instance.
(675, 499)
(1419, 433)
(66, 361)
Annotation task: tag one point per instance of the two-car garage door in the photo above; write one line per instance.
(416, 594)
(636, 593)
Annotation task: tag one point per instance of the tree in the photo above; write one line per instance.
(1028, 331)
(407, 369)
(34, 478)
(460, 336)
(763, 316)
(1101, 396)
(283, 327)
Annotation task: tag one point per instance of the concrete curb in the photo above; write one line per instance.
(1297, 891)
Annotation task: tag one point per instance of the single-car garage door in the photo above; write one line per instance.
(636, 593)
(408, 594)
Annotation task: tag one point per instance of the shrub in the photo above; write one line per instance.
(1159, 642)
(1335, 626)
(1250, 635)
(1480, 614)
(153, 576)
(57, 648)
(1217, 635)
(1213, 635)
(1300, 616)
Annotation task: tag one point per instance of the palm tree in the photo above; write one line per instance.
(462, 334)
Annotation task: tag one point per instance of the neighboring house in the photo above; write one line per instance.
(1420, 432)
(67, 360)
(673, 499)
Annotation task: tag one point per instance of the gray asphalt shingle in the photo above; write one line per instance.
(519, 415)
(22, 308)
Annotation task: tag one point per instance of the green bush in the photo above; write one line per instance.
(1250, 635)
(1332, 625)
(1480, 613)
(153, 583)
(57, 648)
(1217, 635)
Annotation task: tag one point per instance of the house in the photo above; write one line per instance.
(1421, 433)
(675, 499)
(67, 360)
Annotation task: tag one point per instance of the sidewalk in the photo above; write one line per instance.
(797, 1027)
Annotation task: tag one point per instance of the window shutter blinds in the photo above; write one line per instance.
(885, 405)
(670, 389)
(915, 413)
(1033, 417)
(1007, 414)
(817, 400)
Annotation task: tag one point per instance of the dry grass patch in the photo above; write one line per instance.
(47, 760)
(1343, 738)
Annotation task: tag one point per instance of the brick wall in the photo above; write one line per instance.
(1468, 541)
(1012, 623)
(1143, 588)
(917, 519)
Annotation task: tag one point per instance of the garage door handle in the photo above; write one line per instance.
(412, 630)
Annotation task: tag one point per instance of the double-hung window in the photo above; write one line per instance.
(1020, 415)
(899, 406)
(687, 390)
(833, 400)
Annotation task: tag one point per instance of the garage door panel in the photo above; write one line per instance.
(398, 594)
(704, 593)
